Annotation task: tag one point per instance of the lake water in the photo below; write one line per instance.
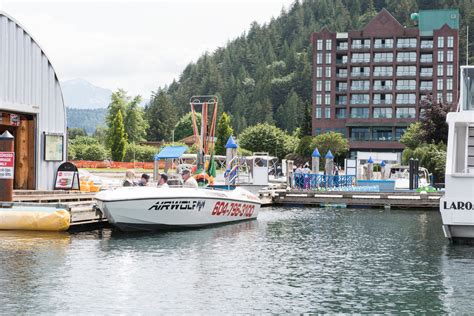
(290, 260)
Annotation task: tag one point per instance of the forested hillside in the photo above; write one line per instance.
(265, 74)
(87, 119)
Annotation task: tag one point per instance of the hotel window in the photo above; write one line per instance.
(317, 131)
(426, 44)
(382, 134)
(440, 42)
(319, 85)
(319, 99)
(328, 85)
(406, 98)
(426, 85)
(341, 86)
(327, 99)
(318, 113)
(426, 72)
(406, 70)
(450, 42)
(406, 85)
(426, 58)
(360, 57)
(359, 112)
(449, 97)
(361, 43)
(319, 58)
(383, 84)
(383, 99)
(382, 113)
(383, 43)
(328, 72)
(383, 71)
(406, 56)
(449, 56)
(449, 70)
(440, 70)
(360, 85)
(360, 99)
(383, 57)
(406, 113)
(328, 113)
(341, 113)
(341, 100)
(328, 44)
(439, 85)
(319, 45)
(328, 58)
(360, 71)
(406, 43)
(449, 84)
(319, 72)
(360, 134)
(440, 56)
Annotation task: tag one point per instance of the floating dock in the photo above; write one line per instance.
(400, 199)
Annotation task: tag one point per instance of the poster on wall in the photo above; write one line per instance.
(53, 147)
(7, 164)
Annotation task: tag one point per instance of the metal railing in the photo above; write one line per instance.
(303, 181)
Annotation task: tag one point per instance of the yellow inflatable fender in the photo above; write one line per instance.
(58, 220)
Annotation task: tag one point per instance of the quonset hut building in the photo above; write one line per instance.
(31, 107)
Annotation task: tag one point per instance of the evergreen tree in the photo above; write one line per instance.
(135, 123)
(162, 117)
(184, 127)
(223, 132)
(118, 142)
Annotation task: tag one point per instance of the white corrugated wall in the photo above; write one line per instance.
(28, 84)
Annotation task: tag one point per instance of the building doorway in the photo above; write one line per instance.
(22, 127)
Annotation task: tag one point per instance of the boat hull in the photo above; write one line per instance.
(458, 218)
(169, 209)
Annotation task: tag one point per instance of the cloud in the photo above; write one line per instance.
(135, 45)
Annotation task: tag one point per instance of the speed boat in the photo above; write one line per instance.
(151, 208)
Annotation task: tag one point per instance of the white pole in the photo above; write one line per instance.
(467, 45)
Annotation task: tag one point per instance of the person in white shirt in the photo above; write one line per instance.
(188, 180)
(163, 182)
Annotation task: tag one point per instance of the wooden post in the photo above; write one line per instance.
(7, 166)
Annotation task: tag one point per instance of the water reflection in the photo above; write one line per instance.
(292, 260)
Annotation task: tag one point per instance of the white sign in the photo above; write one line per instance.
(7, 164)
(64, 179)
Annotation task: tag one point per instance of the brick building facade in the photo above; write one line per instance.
(367, 84)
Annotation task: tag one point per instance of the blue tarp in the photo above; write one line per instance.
(171, 152)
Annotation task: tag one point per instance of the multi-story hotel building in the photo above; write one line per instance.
(368, 84)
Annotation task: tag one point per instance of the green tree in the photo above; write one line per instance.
(336, 142)
(75, 132)
(135, 123)
(267, 138)
(223, 132)
(100, 134)
(413, 136)
(118, 141)
(118, 103)
(162, 116)
(184, 127)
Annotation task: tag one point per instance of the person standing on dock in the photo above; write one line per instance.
(188, 180)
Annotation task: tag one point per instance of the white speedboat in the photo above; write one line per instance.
(457, 205)
(150, 208)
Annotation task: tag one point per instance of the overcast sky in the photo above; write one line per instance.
(137, 46)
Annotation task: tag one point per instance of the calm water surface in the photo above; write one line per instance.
(289, 260)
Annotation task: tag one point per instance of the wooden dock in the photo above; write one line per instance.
(79, 204)
(402, 199)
